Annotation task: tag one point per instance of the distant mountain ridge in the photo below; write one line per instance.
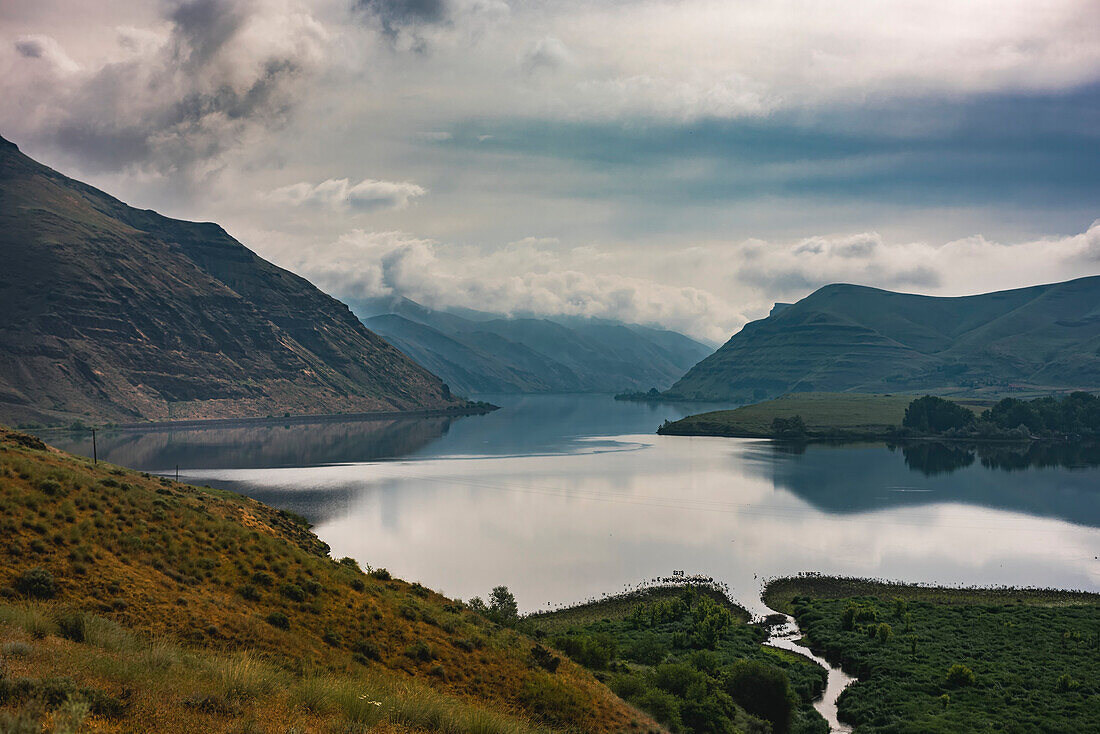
(116, 313)
(483, 353)
(854, 338)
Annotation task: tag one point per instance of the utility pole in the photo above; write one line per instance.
(95, 454)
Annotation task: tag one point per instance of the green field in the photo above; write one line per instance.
(953, 660)
(688, 657)
(827, 415)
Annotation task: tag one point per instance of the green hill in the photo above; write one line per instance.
(116, 313)
(141, 604)
(852, 338)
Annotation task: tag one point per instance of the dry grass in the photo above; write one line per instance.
(170, 588)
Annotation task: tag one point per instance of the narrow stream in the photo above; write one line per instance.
(786, 637)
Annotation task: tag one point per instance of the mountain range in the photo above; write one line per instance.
(854, 338)
(116, 313)
(476, 352)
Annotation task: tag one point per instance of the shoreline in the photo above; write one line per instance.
(244, 422)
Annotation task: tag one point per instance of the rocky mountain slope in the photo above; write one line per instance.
(483, 353)
(115, 313)
(853, 338)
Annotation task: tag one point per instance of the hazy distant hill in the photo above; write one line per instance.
(478, 352)
(853, 338)
(115, 313)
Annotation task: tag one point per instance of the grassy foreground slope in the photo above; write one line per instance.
(155, 606)
(825, 414)
(953, 660)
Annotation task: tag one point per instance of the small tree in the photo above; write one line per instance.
(502, 606)
(936, 415)
(960, 675)
(793, 427)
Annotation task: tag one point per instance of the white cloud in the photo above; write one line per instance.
(707, 291)
(339, 194)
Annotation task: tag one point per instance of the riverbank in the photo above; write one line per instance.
(471, 408)
(937, 659)
(823, 416)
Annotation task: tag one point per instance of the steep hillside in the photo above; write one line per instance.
(173, 608)
(480, 353)
(852, 338)
(114, 313)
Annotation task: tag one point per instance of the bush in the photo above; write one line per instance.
(37, 583)
(936, 415)
(262, 578)
(763, 691)
(292, 592)
(793, 427)
(366, 649)
(959, 676)
(249, 592)
(278, 619)
(420, 650)
(349, 562)
(381, 574)
(543, 658)
(71, 626)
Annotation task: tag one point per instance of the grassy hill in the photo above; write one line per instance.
(120, 314)
(825, 414)
(149, 605)
(851, 338)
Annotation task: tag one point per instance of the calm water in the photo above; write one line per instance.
(567, 497)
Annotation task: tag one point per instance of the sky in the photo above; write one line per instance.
(681, 163)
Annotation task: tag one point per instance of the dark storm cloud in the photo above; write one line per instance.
(1042, 149)
(394, 15)
(185, 102)
(32, 48)
(203, 27)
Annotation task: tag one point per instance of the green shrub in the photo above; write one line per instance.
(381, 574)
(421, 651)
(278, 619)
(367, 649)
(249, 592)
(763, 691)
(960, 675)
(71, 626)
(292, 592)
(37, 583)
(262, 578)
(543, 658)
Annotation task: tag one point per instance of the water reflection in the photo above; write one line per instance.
(567, 497)
(1048, 480)
(254, 446)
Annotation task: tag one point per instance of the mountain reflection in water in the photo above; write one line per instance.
(860, 477)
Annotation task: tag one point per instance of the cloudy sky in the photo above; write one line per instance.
(674, 162)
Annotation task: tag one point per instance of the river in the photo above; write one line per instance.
(564, 498)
